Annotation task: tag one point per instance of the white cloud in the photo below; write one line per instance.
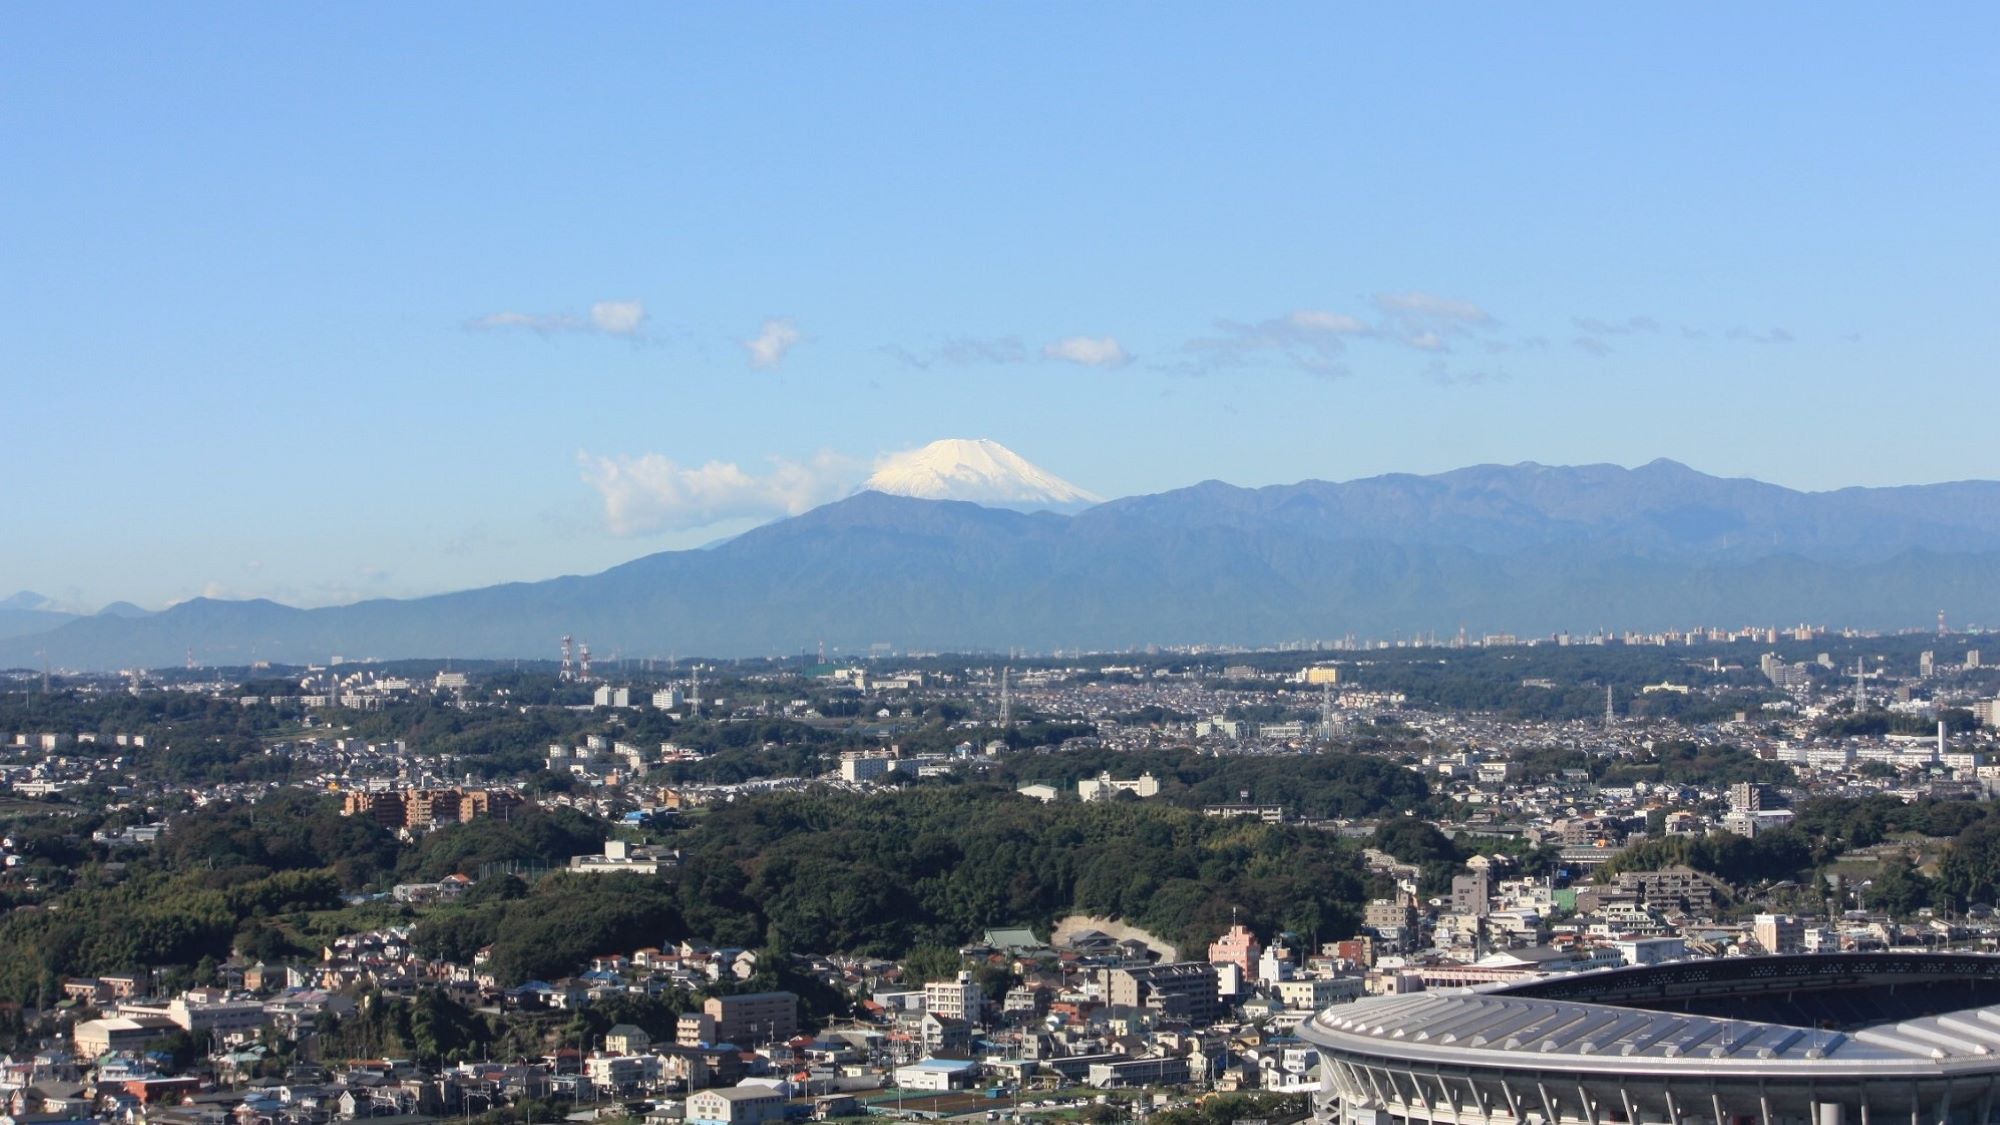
(530, 321)
(1427, 322)
(964, 351)
(1315, 320)
(1767, 336)
(1091, 351)
(1309, 339)
(1444, 375)
(651, 493)
(1595, 327)
(1432, 308)
(609, 318)
(364, 581)
(618, 318)
(768, 347)
(1315, 340)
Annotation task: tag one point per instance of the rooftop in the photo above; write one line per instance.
(1468, 1023)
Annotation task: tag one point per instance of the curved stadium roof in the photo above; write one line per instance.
(1631, 1039)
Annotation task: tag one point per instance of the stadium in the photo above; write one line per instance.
(1816, 1039)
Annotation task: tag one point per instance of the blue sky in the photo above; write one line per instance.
(325, 303)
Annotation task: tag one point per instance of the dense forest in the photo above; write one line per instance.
(270, 881)
(1326, 785)
(936, 865)
(930, 867)
(883, 874)
(1826, 828)
(1774, 855)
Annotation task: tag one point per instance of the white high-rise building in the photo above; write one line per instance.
(959, 999)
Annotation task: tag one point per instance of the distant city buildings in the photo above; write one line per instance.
(427, 808)
(1103, 787)
(623, 857)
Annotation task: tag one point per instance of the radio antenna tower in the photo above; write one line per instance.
(1610, 713)
(567, 671)
(694, 695)
(1006, 703)
(1860, 692)
(1326, 709)
(583, 662)
(1941, 629)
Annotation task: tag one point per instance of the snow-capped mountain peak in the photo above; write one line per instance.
(975, 469)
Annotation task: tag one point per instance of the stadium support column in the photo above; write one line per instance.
(1329, 1092)
(1589, 1107)
(1828, 1113)
(1513, 1101)
(1548, 1103)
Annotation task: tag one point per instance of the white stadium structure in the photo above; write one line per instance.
(1815, 1039)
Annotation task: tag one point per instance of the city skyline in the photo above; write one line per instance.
(316, 310)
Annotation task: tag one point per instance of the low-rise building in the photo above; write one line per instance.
(119, 1033)
(938, 1074)
(737, 1105)
(1311, 994)
(1138, 1072)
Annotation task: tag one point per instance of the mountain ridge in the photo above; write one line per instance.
(1527, 549)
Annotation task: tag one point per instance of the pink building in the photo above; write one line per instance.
(1238, 947)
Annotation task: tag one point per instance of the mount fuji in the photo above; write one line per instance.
(977, 470)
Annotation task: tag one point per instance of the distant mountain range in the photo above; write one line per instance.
(1528, 549)
(28, 612)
